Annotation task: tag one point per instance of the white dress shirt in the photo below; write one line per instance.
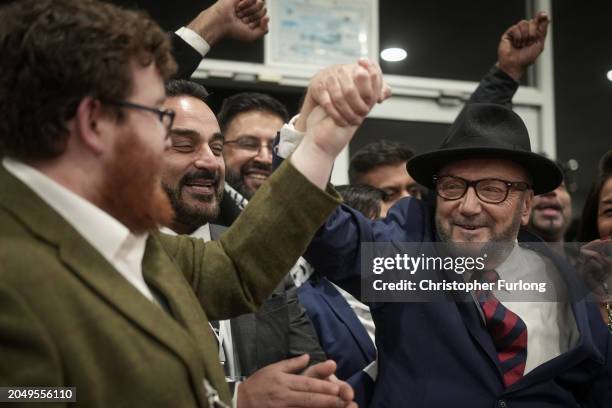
(551, 326)
(113, 240)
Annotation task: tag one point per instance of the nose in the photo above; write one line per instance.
(470, 204)
(265, 154)
(206, 159)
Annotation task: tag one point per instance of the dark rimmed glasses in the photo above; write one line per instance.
(489, 190)
(250, 144)
(165, 116)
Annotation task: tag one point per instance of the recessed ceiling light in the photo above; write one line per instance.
(393, 54)
(609, 75)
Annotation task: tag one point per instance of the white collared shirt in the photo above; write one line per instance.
(113, 240)
(551, 326)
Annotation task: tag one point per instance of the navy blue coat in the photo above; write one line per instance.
(341, 334)
(440, 354)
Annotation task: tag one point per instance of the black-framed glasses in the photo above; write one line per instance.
(250, 144)
(165, 116)
(489, 190)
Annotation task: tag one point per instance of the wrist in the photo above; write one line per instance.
(208, 25)
(313, 162)
(513, 71)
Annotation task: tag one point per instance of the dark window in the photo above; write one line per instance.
(445, 39)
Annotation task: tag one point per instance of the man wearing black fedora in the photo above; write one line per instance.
(469, 350)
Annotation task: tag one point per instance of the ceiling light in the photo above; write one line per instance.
(609, 75)
(393, 54)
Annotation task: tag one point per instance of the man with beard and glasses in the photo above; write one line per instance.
(92, 295)
(462, 347)
(250, 122)
(193, 179)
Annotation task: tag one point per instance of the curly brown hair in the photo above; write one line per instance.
(54, 53)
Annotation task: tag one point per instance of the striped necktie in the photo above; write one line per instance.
(508, 331)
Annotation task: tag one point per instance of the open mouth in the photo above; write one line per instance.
(258, 175)
(202, 186)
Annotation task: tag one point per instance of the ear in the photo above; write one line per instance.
(90, 123)
(526, 210)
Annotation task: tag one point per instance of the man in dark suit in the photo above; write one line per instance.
(469, 348)
(193, 179)
(92, 295)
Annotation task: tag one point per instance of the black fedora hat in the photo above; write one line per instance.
(486, 130)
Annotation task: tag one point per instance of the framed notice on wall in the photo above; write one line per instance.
(318, 33)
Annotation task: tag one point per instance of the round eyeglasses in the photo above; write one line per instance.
(489, 190)
(165, 116)
(249, 144)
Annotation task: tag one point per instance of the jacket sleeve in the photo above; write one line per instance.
(335, 251)
(302, 335)
(235, 274)
(495, 87)
(187, 58)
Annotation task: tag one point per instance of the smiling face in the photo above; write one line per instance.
(552, 214)
(469, 219)
(193, 166)
(247, 170)
(394, 181)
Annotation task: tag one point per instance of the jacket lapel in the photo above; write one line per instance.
(98, 274)
(475, 326)
(190, 329)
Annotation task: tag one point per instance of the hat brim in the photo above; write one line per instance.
(545, 174)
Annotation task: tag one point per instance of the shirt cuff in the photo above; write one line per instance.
(290, 138)
(194, 40)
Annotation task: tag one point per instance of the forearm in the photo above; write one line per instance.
(495, 87)
(208, 25)
(279, 221)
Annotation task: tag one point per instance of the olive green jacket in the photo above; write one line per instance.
(68, 318)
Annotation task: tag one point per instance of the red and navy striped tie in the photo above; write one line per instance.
(508, 331)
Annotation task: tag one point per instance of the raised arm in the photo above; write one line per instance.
(242, 20)
(519, 47)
